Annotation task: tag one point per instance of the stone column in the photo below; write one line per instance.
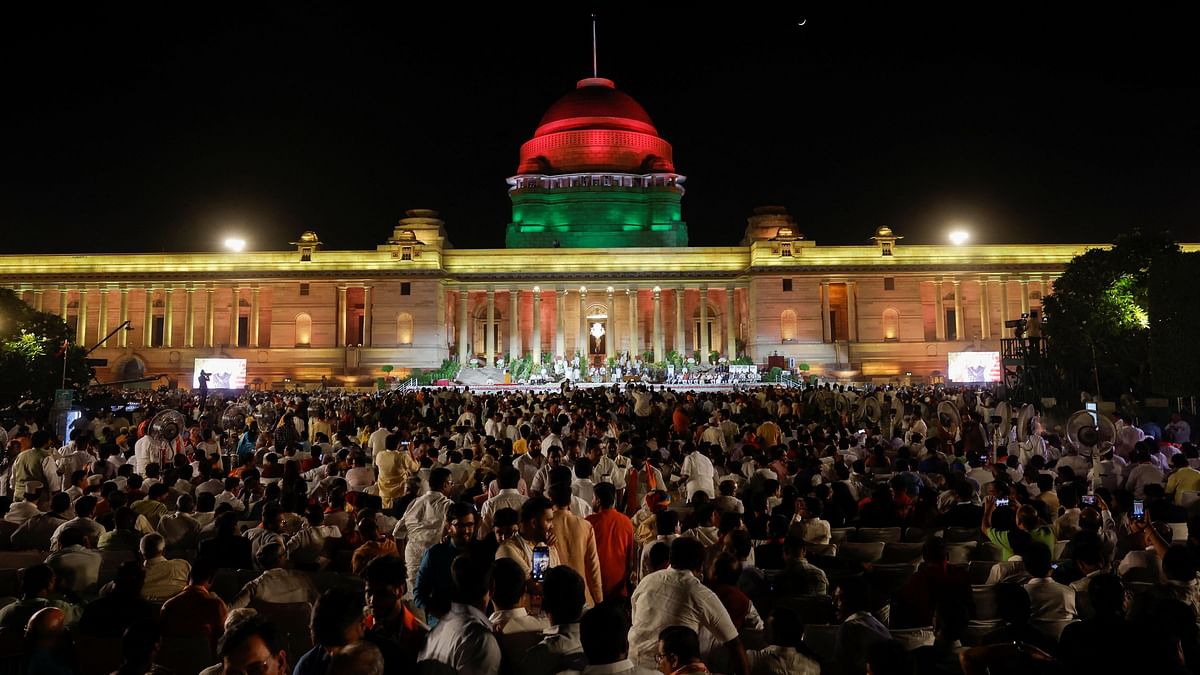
(985, 318)
(1004, 306)
(102, 318)
(489, 330)
(462, 326)
(731, 325)
(123, 336)
(235, 314)
(609, 347)
(958, 311)
(536, 346)
(64, 296)
(658, 325)
(705, 348)
(148, 321)
(254, 308)
(210, 317)
(633, 322)
(368, 312)
(939, 312)
(560, 323)
(826, 329)
(342, 328)
(39, 299)
(514, 325)
(852, 310)
(189, 322)
(581, 340)
(168, 316)
(1025, 296)
(81, 332)
(680, 340)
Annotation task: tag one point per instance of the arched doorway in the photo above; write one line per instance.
(599, 347)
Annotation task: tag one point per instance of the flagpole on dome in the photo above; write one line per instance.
(595, 67)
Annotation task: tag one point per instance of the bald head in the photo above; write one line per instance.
(45, 626)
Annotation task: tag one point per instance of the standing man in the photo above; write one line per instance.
(576, 543)
(614, 542)
(424, 521)
(697, 473)
(36, 464)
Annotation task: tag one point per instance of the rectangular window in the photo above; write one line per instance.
(785, 250)
(303, 289)
(951, 327)
(886, 247)
(406, 253)
(405, 288)
(889, 283)
(787, 285)
(243, 331)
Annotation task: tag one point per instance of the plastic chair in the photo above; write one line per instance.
(979, 570)
(961, 534)
(821, 550)
(960, 553)
(986, 550)
(822, 639)
(916, 535)
(887, 579)
(840, 535)
(878, 534)
(983, 599)
(895, 553)
(861, 551)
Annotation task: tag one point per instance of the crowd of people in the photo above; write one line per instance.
(620, 529)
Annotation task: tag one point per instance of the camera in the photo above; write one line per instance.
(1001, 501)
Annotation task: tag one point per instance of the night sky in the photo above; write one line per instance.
(147, 129)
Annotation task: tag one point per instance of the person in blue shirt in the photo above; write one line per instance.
(434, 587)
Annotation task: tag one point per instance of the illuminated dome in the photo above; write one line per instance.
(595, 128)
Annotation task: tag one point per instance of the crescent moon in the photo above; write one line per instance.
(802, 22)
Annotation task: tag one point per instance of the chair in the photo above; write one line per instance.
(913, 638)
(986, 550)
(980, 570)
(878, 534)
(976, 630)
(983, 600)
(812, 609)
(291, 619)
(900, 552)
(961, 534)
(960, 553)
(887, 579)
(840, 535)
(821, 549)
(915, 535)
(822, 639)
(185, 655)
(861, 551)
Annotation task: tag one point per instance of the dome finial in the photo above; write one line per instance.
(595, 68)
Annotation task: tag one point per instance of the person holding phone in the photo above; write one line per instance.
(535, 529)
(1026, 520)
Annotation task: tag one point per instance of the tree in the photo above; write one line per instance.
(32, 345)
(1097, 322)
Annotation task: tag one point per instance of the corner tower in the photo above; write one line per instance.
(596, 174)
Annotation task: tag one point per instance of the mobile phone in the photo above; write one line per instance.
(1001, 501)
(541, 560)
(1089, 500)
(984, 458)
(1139, 509)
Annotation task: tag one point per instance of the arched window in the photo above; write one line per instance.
(891, 325)
(303, 330)
(404, 328)
(787, 325)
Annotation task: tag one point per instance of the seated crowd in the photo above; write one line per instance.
(595, 531)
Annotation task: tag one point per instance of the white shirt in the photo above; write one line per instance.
(508, 498)
(424, 521)
(777, 660)
(1140, 476)
(674, 597)
(277, 586)
(517, 620)
(463, 640)
(1050, 601)
(377, 441)
(698, 469)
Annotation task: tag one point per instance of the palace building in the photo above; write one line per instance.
(596, 262)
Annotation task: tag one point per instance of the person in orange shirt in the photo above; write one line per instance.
(680, 422)
(614, 542)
